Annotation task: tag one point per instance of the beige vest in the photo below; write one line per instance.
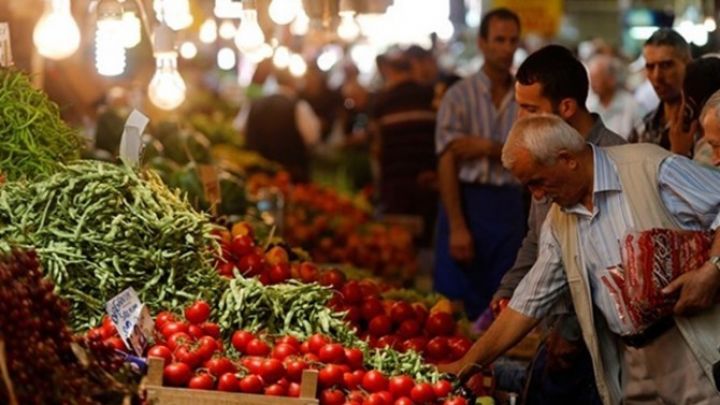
(637, 167)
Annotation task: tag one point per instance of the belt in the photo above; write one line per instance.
(649, 334)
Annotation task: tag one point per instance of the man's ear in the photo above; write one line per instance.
(567, 108)
(568, 158)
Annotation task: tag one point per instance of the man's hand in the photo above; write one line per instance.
(461, 245)
(457, 367)
(698, 289)
(470, 147)
(682, 142)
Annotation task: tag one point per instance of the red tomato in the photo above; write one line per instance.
(207, 346)
(257, 347)
(437, 348)
(95, 334)
(416, 344)
(354, 314)
(240, 339)
(376, 399)
(179, 339)
(455, 401)
(242, 245)
(330, 375)
(293, 390)
(162, 319)
(440, 324)
(404, 401)
(311, 358)
(386, 396)
(107, 328)
(354, 358)
(211, 329)
(253, 364)
(380, 325)
(332, 396)
(356, 396)
(442, 388)
(276, 390)
(422, 393)
(391, 341)
(305, 347)
(459, 345)
(201, 382)
(289, 340)
(409, 328)
(272, 370)
(332, 353)
(195, 331)
(374, 381)
(282, 351)
(251, 265)
(177, 374)
(352, 293)
(172, 328)
(371, 308)
(252, 384)
(220, 365)
(279, 273)
(333, 278)
(401, 385)
(188, 356)
(401, 311)
(421, 312)
(228, 382)
(161, 351)
(317, 341)
(116, 343)
(295, 368)
(198, 312)
(369, 289)
(350, 381)
(308, 272)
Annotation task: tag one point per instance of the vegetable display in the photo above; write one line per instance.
(100, 228)
(34, 141)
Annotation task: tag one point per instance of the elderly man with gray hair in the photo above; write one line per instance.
(599, 196)
(710, 122)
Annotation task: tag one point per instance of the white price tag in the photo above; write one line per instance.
(6, 59)
(131, 141)
(132, 320)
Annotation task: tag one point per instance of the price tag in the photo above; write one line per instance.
(131, 141)
(6, 59)
(211, 185)
(131, 319)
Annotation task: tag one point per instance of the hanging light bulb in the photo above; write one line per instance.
(175, 13)
(301, 25)
(132, 32)
(227, 30)
(282, 12)
(208, 31)
(348, 29)
(167, 88)
(109, 49)
(281, 59)
(226, 58)
(56, 34)
(249, 36)
(297, 67)
(188, 50)
(263, 52)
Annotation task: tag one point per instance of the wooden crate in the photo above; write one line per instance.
(159, 395)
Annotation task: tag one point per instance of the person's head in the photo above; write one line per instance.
(551, 81)
(702, 79)
(545, 154)
(397, 68)
(606, 74)
(666, 54)
(498, 38)
(710, 122)
(424, 66)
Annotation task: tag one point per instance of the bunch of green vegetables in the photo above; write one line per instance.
(100, 228)
(34, 141)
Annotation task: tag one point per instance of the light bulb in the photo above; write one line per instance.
(263, 52)
(56, 34)
(348, 29)
(298, 67)
(282, 12)
(327, 59)
(301, 25)
(188, 50)
(281, 60)
(208, 31)
(249, 36)
(167, 88)
(175, 13)
(109, 49)
(131, 30)
(227, 30)
(226, 58)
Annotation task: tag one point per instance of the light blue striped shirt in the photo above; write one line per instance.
(467, 110)
(691, 193)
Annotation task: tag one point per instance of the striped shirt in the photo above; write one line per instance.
(467, 110)
(690, 192)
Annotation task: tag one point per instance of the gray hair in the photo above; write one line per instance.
(711, 105)
(543, 136)
(612, 66)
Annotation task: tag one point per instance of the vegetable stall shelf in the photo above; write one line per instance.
(159, 395)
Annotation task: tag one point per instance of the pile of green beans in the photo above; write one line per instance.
(100, 228)
(34, 140)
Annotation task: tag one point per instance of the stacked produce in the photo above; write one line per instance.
(42, 367)
(100, 228)
(34, 141)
